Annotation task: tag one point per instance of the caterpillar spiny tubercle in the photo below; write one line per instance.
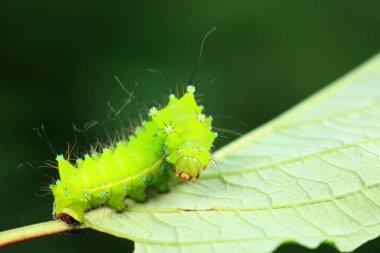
(176, 140)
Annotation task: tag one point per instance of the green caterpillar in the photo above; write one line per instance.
(177, 140)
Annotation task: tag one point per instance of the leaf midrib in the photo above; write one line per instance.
(144, 208)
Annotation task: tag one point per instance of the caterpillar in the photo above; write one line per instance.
(176, 141)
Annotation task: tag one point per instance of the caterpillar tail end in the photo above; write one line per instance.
(72, 214)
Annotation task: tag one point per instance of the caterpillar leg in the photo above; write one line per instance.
(117, 202)
(163, 176)
(138, 193)
(161, 183)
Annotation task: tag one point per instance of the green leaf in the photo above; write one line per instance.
(310, 176)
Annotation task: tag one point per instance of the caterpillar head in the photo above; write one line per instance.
(188, 168)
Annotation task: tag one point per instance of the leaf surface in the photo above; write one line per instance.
(309, 176)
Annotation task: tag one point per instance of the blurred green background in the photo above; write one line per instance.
(59, 61)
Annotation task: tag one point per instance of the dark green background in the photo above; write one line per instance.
(58, 62)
